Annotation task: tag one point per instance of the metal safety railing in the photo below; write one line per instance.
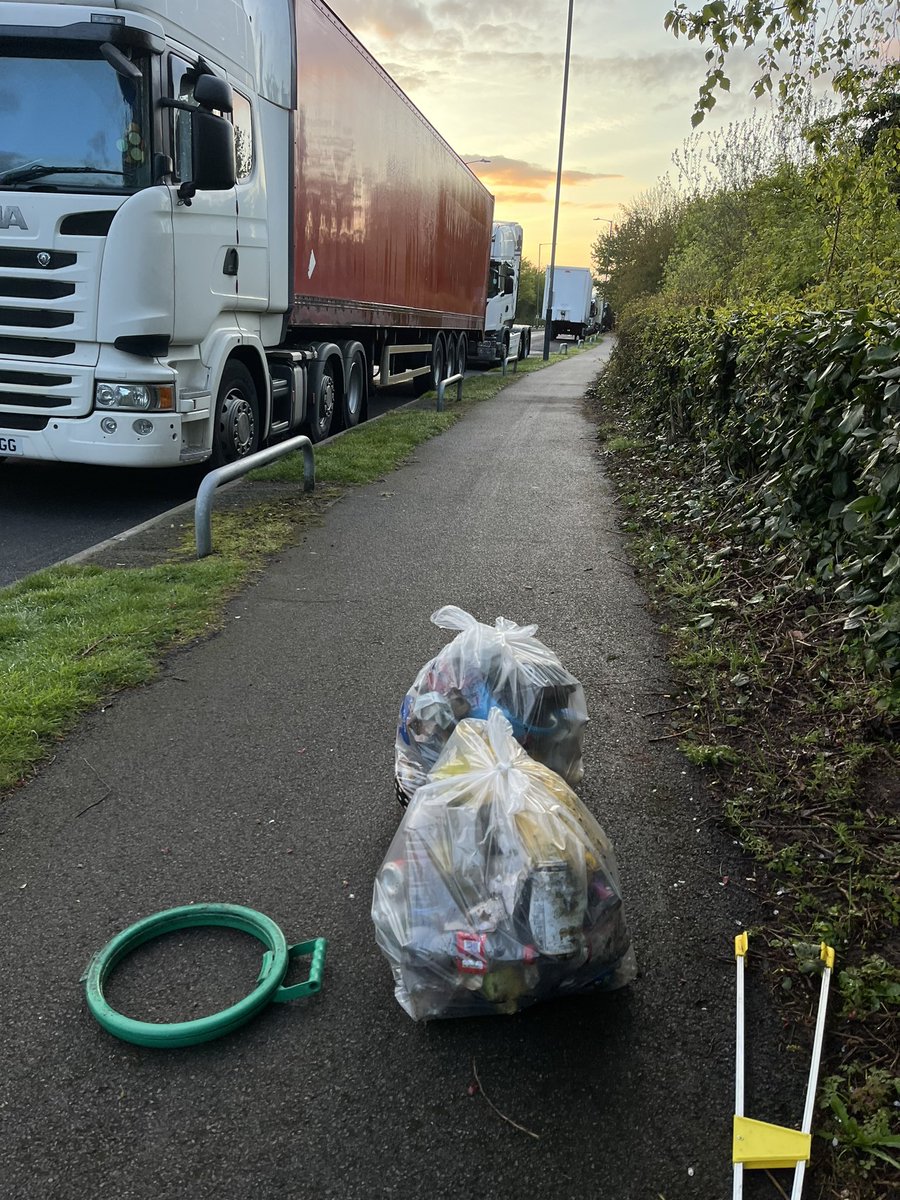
(444, 384)
(203, 507)
(510, 358)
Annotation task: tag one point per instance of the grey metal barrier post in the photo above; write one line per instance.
(511, 358)
(444, 384)
(203, 507)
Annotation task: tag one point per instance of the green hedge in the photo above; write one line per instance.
(797, 414)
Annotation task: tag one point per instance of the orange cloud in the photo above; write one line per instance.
(518, 173)
(506, 196)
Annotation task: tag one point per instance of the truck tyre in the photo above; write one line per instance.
(438, 360)
(236, 432)
(354, 387)
(322, 403)
(462, 354)
(523, 344)
(428, 380)
(452, 355)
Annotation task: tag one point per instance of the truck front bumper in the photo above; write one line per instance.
(82, 440)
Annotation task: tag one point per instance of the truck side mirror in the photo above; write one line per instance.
(211, 92)
(212, 152)
(510, 286)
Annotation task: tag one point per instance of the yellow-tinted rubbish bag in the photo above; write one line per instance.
(499, 889)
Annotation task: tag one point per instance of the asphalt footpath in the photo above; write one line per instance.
(257, 770)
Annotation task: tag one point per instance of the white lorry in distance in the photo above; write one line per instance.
(571, 314)
(504, 273)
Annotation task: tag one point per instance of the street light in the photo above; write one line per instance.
(562, 133)
(466, 161)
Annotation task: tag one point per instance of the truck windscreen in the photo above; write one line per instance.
(73, 123)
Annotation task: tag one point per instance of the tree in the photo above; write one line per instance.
(634, 253)
(531, 282)
(848, 40)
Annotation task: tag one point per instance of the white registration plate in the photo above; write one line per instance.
(12, 443)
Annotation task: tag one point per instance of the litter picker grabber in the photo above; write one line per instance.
(757, 1144)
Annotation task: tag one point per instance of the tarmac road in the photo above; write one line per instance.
(258, 770)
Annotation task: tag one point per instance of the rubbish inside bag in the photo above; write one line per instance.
(499, 888)
(484, 668)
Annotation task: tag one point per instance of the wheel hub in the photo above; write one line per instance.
(239, 424)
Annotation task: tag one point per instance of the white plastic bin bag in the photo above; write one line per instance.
(486, 667)
(499, 889)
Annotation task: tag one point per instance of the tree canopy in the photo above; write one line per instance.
(797, 41)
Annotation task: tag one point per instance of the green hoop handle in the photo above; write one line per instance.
(204, 1029)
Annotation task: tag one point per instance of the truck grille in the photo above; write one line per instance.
(47, 315)
(35, 318)
(35, 289)
(21, 259)
(35, 348)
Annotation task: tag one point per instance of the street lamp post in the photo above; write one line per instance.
(562, 133)
(466, 161)
(611, 228)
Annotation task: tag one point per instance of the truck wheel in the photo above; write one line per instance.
(354, 389)
(523, 344)
(236, 432)
(438, 360)
(462, 354)
(452, 355)
(322, 404)
(428, 380)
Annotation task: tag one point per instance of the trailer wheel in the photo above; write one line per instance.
(322, 404)
(354, 389)
(462, 354)
(428, 380)
(236, 432)
(438, 360)
(452, 355)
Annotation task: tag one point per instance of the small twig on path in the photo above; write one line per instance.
(664, 712)
(536, 1136)
(777, 1185)
(666, 736)
(94, 803)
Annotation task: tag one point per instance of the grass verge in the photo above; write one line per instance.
(71, 636)
(781, 707)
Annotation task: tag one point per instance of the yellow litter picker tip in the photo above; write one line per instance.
(757, 1144)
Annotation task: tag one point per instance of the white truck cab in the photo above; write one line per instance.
(141, 227)
(504, 273)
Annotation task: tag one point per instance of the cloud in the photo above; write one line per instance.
(389, 20)
(517, 172)
(507, 196)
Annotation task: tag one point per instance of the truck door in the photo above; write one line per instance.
(252, 225)
(205, 231)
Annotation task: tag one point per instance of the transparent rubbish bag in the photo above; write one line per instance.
(499, 888)
(501, 666)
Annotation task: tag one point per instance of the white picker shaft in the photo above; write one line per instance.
(800, 1169)
(738, 1182)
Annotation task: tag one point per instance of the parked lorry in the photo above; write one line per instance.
(221, 222)
(504, 274)
(571, 314)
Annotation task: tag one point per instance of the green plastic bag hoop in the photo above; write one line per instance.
(189, 1033)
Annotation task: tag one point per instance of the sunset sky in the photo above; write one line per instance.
(489, 77)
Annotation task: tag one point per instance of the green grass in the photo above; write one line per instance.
(72, 636)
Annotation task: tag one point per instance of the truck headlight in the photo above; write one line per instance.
(140, 397)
